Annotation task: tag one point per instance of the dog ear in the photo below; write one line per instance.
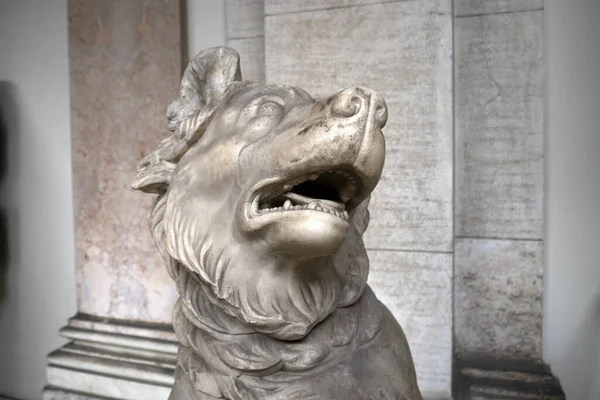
(205, 80)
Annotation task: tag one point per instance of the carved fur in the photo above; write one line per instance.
(257, 321)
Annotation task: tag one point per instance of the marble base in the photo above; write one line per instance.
(498, 380)
(59, 394)
(112, 360)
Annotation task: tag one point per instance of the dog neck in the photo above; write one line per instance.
(223, 357)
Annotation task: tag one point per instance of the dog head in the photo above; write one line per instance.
(263, 193)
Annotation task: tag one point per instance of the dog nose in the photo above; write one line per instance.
(350, 102)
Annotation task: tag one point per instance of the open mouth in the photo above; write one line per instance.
(327, 191)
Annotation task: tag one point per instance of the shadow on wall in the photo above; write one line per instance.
(8, 141)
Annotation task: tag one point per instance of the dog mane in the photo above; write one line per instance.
(228, 348)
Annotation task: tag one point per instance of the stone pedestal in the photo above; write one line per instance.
(125, 66)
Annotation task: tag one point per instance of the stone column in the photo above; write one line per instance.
(125, 66)
(402, 49)
(245, 33)
(499, 219)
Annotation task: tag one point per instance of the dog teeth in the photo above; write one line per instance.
(348, 191)
(345, 196)
(264, 204)
(313, 205)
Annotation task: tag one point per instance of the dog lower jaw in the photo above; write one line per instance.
(298, 233)
(300, 236)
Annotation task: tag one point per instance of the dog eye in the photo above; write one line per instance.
(270, 109)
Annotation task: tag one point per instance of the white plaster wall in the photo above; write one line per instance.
(572, 296)
(38, 279)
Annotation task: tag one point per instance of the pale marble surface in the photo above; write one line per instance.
(290, 6)
(106, 358)
(73, 380)
(498, 298)
(471, 7)
(403, 50)
(57, 394)
(252, 55)
(244, 18)
(499, 126)
(245, 34)
(152, 331)
(124, 68)
(417, 288)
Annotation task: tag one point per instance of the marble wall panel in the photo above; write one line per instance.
(499, 126)
(245, 34)
(404, 51)
(473, 7)
(417, 288)
(289, 6)
(244, 18)
(498, 299)
(124, 60)
(252, 56)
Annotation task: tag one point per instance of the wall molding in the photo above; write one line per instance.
(111, 359)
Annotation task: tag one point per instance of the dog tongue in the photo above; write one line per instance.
(298, 199)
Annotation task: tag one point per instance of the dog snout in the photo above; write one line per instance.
(351, 102)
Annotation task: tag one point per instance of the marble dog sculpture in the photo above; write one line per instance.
(262, 203)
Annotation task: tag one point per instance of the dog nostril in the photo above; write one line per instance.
(381, 115)
(346, 106)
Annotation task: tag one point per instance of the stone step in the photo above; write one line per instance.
(506, 381)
